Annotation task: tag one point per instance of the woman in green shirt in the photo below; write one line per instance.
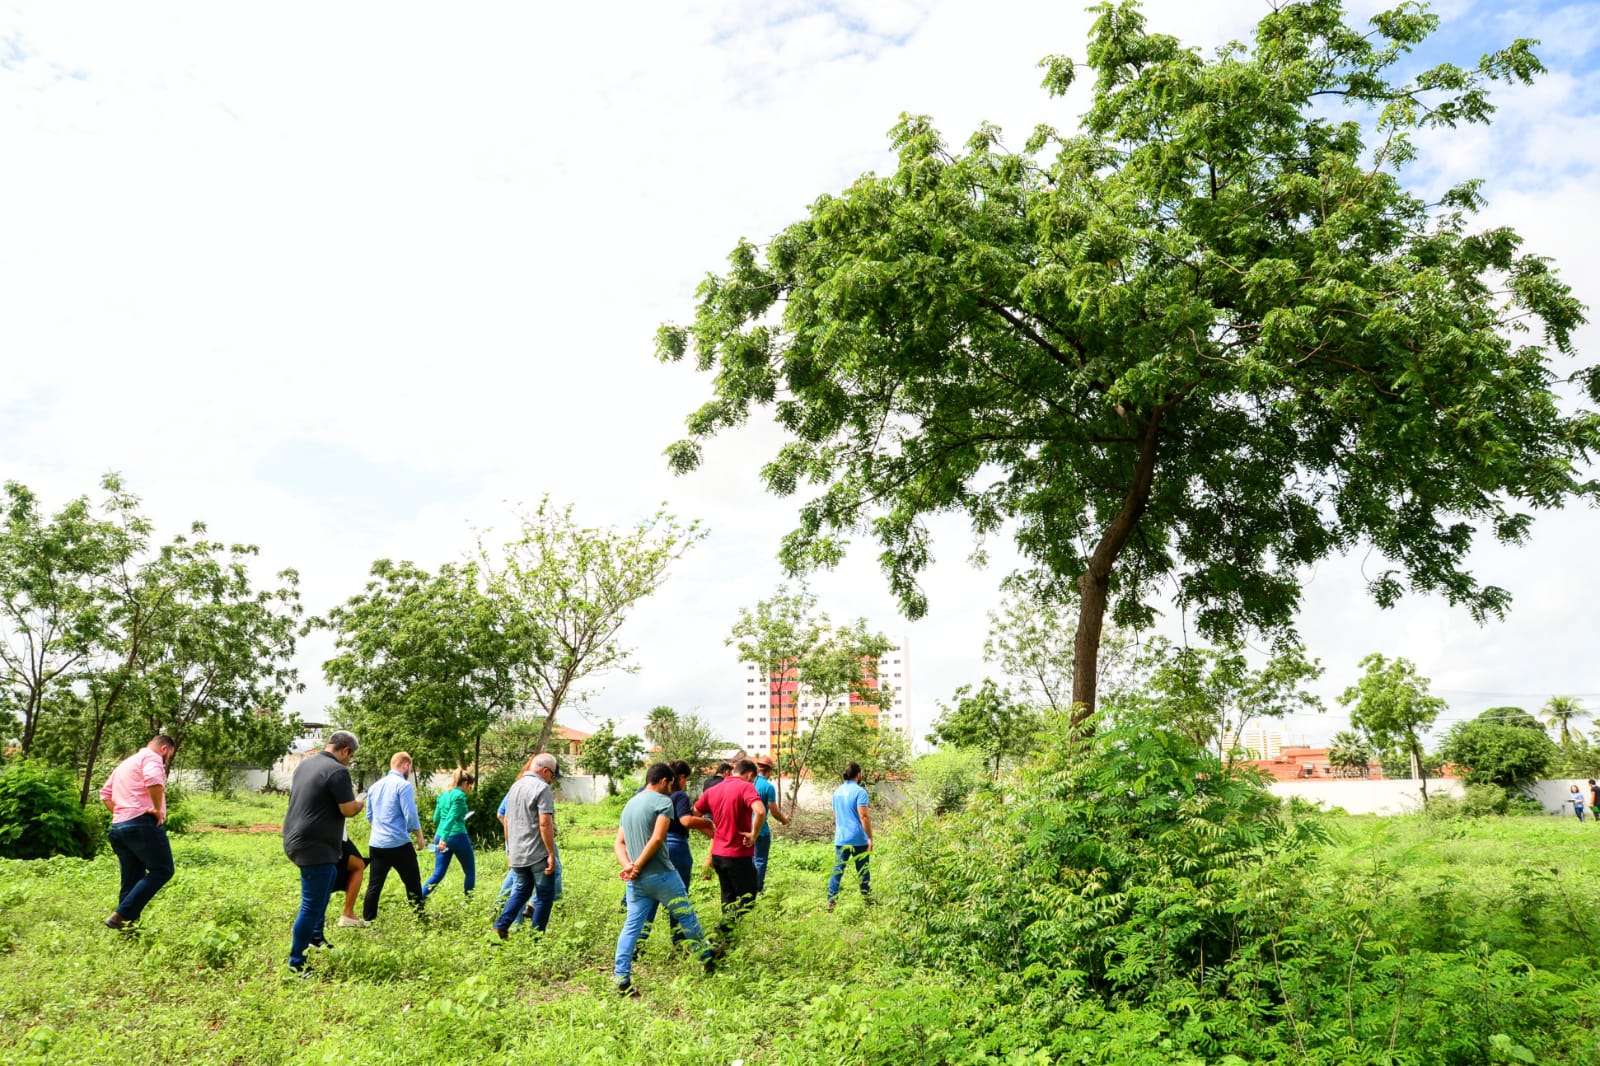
(450, 833)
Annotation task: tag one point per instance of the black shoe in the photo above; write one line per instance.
(710, 966)
(832, 903)
(320, 942)
(117, 922)
(627, 990)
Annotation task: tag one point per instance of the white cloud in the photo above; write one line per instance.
(433, 248)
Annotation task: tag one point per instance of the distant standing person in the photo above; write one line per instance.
(737, 815)
(651, 878)
(769, 795)
(852, 834)
(531, 844)
(136, 796)
(321, 797)
(1577, 801)
(396, 836)
(718, 776)
(450, 838)
(1594, 798)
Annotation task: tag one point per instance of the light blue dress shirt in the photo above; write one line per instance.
(392, 810)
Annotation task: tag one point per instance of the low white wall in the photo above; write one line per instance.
(1405, 797)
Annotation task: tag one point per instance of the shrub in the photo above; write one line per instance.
(1125, 859)
(1478, 801)
(942, 782)
(40, 815)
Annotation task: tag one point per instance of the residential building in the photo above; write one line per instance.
(775, 704)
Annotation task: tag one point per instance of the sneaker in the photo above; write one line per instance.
(832, 903)
(300, 973)
(353, 923)
(116, 921)
(626, 989)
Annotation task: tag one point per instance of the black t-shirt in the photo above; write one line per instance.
(313, 827)
(711, 782)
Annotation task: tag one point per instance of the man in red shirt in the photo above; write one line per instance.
(737, 815)
(136, 796)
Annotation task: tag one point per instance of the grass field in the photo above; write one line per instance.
(205, 982)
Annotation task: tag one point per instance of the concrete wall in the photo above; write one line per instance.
(1405, 797)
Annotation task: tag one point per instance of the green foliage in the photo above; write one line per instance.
(846, 737)
(578, 584)
(612, 756)
(40, 815)
(426, 662)
(1499, 748)
(1350, 754)
(944, 780)
(1199, 343)
(1033, 642)
(1562, 711)
(989, 721)
(1126, 859)
(1391, 705)
(1213, 694)
(682, 736)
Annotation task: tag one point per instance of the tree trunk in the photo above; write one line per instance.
(1095, 583)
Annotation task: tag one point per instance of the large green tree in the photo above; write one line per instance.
(1391, 706)
(1199, 343)
(579, 583)
(426, 662)
(611, 755)
(1497, 748)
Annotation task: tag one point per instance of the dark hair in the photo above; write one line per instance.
(746, 767)
(852, 771)
(681, 768)
(161, 740)
(658, 773)
(723, 769)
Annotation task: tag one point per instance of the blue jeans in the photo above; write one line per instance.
(645, 895)
(682, 860)
(842, 854)
(531, 881)
(763, 849)
(316, 886)
(145, 859)
(458, 846)
(510, 883)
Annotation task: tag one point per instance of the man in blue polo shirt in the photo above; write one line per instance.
(396, 836)
(852, 833)
(769, 795)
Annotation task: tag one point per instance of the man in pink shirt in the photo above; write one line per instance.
(136, 796)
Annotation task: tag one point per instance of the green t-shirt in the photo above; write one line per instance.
(450, 814)
(639, 825)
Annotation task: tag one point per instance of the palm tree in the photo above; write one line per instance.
(1350, 753)
(1561, 710)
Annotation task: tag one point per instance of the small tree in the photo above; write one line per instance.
(579, 583)
(688, 737)
(1213, 694)
(1391, 705)
(990, 721)
(605, 754)
(1033, 643)
(841, 739)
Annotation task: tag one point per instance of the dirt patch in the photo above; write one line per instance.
(264, 827)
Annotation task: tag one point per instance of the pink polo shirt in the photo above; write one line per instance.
(127, 790)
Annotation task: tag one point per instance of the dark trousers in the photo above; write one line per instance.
(403, 861)
(529, 882)
(145, 859)
(737, 876)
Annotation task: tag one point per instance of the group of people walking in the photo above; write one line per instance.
(651, 845)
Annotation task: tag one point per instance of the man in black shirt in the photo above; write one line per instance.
(321, 797)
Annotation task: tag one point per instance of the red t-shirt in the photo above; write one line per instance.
(732, 810)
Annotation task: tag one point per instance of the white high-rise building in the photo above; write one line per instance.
(774, 704)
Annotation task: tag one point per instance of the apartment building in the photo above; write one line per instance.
(776, 704)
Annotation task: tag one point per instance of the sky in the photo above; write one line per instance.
(350, 281)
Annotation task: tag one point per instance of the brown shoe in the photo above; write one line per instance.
(116, 921)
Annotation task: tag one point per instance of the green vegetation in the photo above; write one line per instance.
(1135, 903)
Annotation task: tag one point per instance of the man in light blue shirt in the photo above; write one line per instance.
(852, 833)
(392, 810)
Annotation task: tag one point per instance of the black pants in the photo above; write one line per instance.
(403, 860)
(739, 886)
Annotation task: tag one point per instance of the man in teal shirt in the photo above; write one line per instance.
(651, 879)
(769, 795)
